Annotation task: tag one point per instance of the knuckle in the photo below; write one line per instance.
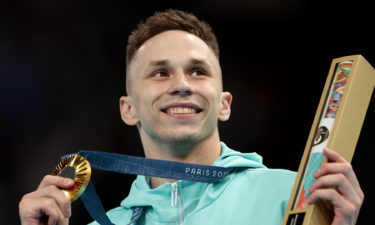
(22, 205)
(317, 193)
(324, 168)
(340, 178)
(50, 202)
(350, 209)
(59, 196)
(65, 203)
(348, 168)
(24, 209)
(318, 182)
(330, 192)
(361, 196)
(27, 196)
(47, 177)
(52, 188)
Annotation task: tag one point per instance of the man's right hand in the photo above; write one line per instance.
(48, 204)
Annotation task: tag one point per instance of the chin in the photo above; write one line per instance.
(180, 141)
(182, 135)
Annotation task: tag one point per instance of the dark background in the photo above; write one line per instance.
(62, 72)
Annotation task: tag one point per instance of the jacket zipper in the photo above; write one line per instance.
(176, 199)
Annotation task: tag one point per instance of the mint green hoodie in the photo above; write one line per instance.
(255, 195)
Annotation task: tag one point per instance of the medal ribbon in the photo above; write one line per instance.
(141, 166)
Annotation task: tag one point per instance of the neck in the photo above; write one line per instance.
(204, 153)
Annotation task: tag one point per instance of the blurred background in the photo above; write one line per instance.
(62, 72)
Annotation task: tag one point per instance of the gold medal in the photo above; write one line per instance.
(78, 169)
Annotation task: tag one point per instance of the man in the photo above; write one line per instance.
(175, 99)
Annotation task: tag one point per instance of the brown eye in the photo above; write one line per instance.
(197, 72)
(160, 74)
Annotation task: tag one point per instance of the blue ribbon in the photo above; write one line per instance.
(142, 166)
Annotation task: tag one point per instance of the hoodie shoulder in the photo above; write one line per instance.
(279, 179)
(269, 187)
(273, 175)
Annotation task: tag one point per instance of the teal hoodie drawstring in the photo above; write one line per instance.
(174, 191)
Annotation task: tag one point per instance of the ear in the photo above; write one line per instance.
(226, 100)
(127, 110)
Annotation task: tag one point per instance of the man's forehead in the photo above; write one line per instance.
(171, 45)
(173, 37)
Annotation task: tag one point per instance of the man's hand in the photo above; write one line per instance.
(348, 199)
(48, 204)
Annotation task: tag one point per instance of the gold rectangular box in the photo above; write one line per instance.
(337, 125)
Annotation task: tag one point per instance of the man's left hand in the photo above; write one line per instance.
(348, 199)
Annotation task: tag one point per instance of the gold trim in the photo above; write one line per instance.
(83, 174)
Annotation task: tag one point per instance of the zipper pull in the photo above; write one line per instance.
(174, 191)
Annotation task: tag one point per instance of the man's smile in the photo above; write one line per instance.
(181, 108)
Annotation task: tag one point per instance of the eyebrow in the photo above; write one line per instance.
(165, 62)
(195, 61)
(162, 62)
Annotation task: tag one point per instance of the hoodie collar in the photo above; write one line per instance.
(159, 198)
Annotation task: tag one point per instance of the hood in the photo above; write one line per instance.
(231, 158)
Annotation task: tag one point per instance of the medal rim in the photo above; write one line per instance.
(68, 161)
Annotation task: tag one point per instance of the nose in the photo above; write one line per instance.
(180, 85)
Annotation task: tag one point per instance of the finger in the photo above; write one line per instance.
(341, 168)
(53, 220)
(55, 193)
(326, 194)
(33, 211)
(342, 184)
(61, 219)
(344, 210)
(57, 181)
(333, 156)
(28, 196)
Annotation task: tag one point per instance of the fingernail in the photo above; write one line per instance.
(68, 212)
(316, 173)
(68, 182)
(308, 200)
(328, 150)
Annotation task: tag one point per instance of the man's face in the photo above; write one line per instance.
(176, 88)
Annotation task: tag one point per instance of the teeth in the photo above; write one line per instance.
(181, 111)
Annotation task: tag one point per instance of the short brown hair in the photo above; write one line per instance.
(164, 21)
